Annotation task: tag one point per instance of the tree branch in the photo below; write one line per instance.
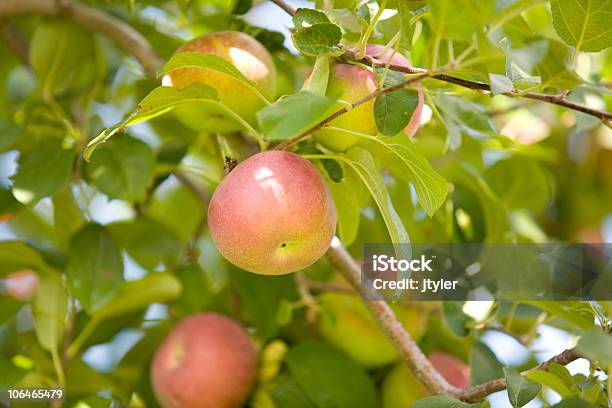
(418, 363)
(122, 34)
(351, 56)
(478, 392)
(381, 91)
(553, 99)
(382, 313)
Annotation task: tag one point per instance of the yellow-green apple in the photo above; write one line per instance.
(400, 387)
(345, 322)
(207, 361)
(21, 285)
(249, 57)
(350, 83)
(272, 214)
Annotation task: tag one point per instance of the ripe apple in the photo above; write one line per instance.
(400, 388)
(346, 323)
(249, 57)
(273, 214)
(350, 83)
(455, 371)
(207, 361)
(21, 285)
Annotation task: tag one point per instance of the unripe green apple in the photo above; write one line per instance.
(207, 361)
(350, 83)
(346, 323)
(21, 285)
(273, 214)
(400, 388)
(249, 57)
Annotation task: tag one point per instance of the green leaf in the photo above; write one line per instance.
(42, 171)
(583, 24)
(293, 115)
(347, 208)
(196, 288)
(393, 111)
(287, 393)
(316, 82)
(57, 54)
(500, 84)
(159, 101)
(318, 39)
(158, 287)
(10, 133)
(16, 255)
(363, 163)
(95, 267)
(597, 346)
(67, 216)
(330, 378)
(262, 298)
(460, 19)
(521, 182)
(443, 402)
(520, 391)
(577, 318)
(430, 187)
(554, 70)
(484, 364)
(122, 169)
(550, 380)
(200, 60)
(9, 373)
(147, 241)
(49, 309)
(455, 319)
(8, 203)
(574, 402)
(305, 17)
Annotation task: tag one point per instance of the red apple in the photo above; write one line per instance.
(273, 214)
(350, 83)
(249, 57)
(455, 371)
(207, 361)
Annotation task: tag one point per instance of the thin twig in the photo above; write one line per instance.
(381, 91)
(122, 34)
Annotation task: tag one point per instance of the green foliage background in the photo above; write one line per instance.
(118, 238)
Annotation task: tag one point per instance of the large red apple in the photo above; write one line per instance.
(350, 83)
(207, 361)
(249, 57)
(273, 214)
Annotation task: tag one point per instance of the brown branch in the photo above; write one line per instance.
(478, 392)
(381, 91)
(382, 313)
(14, 41)
(121, 33)
(351, 56)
